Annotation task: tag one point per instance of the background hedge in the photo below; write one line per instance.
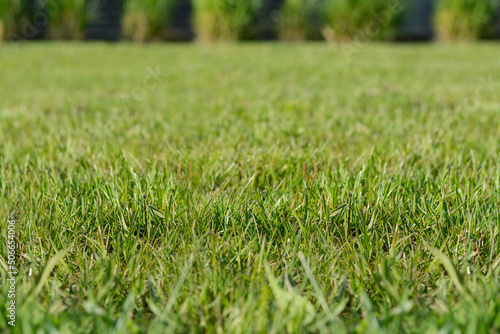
(216, 20)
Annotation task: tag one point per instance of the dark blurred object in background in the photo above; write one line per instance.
(105, 23)
(34, 20)
(266, 21)
(417, 22)
(496, 33)
(180, 28)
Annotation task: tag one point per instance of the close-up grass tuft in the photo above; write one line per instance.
(250, 188)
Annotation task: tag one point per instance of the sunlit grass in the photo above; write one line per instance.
(251, 188)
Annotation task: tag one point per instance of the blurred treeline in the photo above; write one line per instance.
(221, 20)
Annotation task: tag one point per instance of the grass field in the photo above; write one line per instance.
(271, 188)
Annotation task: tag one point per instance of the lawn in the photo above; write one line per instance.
(239, 188)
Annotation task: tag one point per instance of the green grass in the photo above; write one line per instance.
(225, 20)
(296, 20)
(360, 20)
(466, 19)
(147, 20)
(251, 188)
